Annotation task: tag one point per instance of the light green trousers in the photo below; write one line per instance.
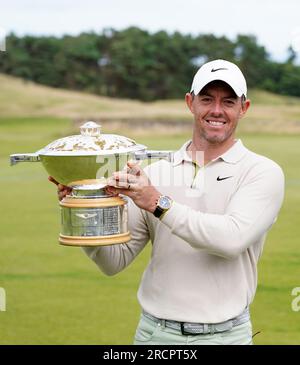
(151, 333)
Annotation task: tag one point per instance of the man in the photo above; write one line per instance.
(207, 215)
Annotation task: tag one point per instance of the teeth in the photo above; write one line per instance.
(215, 123)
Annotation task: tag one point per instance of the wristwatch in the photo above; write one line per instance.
(163, 204)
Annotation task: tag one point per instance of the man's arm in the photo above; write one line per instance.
(250, 214)
(113, 259)
(251, 211)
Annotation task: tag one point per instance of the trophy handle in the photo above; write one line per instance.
(166, 155)
(24, 157)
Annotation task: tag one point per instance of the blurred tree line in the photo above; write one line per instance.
(134, 63)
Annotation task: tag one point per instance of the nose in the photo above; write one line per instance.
(217, 108)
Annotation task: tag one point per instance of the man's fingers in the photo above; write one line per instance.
(62, 190)
(120, 184)
(51, 179)
(123, 177)
(133, 167)
(111, 190)
(60, 187)
(121, 191)
(62, 193)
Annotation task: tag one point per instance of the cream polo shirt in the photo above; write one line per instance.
(205, 249)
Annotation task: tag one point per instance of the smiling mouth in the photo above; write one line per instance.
(215, 123)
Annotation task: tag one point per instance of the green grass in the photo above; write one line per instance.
(279, 269)
(266, 98)
(19, 98)
(56, 295)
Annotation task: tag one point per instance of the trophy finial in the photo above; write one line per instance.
(91, 129)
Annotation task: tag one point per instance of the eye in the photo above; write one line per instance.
(205, 99)
(229, 102)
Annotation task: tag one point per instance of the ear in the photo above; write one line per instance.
(244, 108)
(189, 101)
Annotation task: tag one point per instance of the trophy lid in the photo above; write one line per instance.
(91, 141)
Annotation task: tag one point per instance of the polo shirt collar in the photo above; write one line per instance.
(235, 152)
(182, 155)
(233, 155)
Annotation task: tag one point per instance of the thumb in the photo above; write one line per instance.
(134, 168)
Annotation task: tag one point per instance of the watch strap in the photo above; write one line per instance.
(158, 212)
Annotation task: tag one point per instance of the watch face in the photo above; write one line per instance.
(164, 202)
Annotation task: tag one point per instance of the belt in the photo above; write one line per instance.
(188, 328)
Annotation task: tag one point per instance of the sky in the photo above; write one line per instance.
(276, 24)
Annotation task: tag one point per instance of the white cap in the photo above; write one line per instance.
(220, 70)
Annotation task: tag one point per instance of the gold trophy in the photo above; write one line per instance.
(89, 216)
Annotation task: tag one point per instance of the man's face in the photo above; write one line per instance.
(217, 111)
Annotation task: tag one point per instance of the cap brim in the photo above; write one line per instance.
(231, 83)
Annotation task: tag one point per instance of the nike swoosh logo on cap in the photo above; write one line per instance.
(223, 178)
(218, 69)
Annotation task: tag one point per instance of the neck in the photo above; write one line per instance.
(209, 151)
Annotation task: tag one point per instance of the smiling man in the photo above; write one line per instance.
(206, 214)
(217, 101)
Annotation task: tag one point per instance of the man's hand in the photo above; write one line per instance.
(134, 183)
(62, 190)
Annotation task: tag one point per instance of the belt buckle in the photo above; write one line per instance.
(189, 333)
(183, 330)
(208, 328)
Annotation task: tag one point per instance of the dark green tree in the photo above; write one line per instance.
(134, 63)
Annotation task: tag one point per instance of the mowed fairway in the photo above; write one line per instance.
(56, 295)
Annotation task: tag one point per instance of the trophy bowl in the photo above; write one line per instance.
(89, 216)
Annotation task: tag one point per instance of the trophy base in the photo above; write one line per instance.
(95, 240)
(91, 220)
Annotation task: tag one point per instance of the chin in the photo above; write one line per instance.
(216, 139)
